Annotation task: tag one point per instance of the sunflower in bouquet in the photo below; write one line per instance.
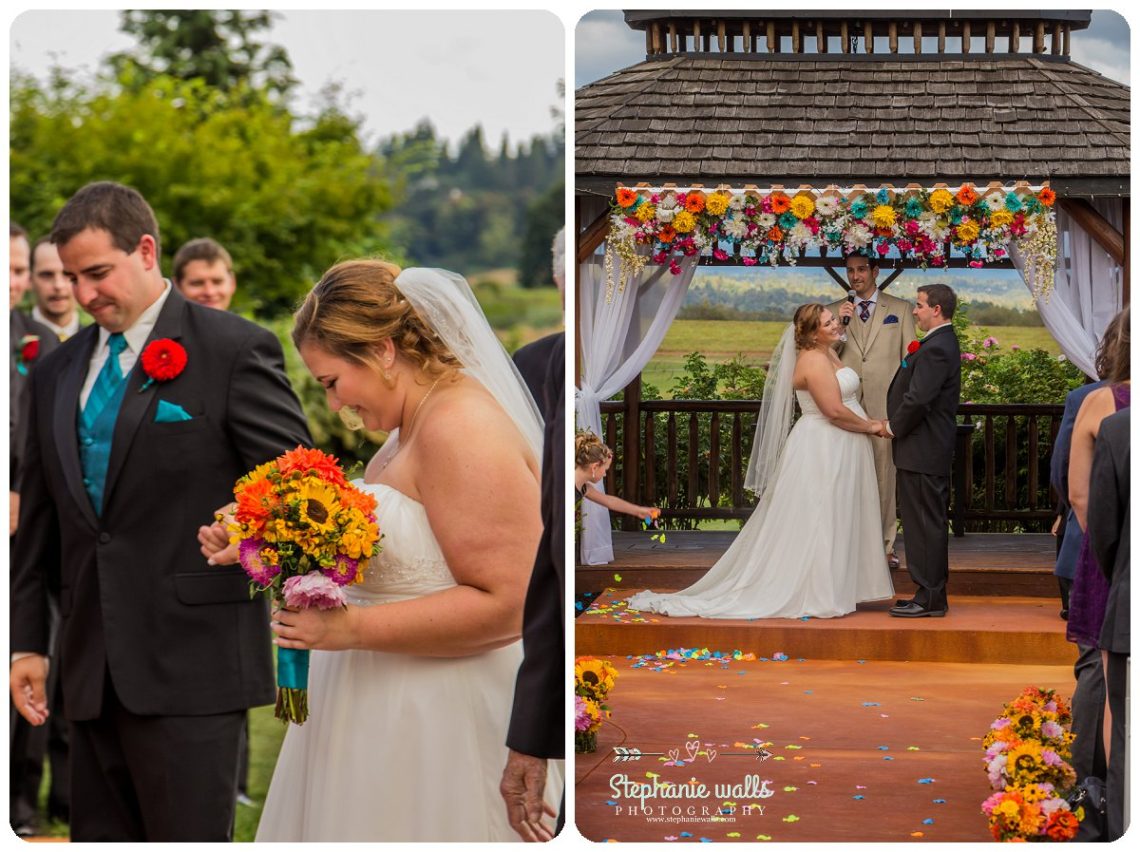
(304, 533)
(593, 680)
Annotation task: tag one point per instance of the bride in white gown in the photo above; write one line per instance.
(410, 687)
(813, 545)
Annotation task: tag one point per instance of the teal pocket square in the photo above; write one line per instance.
(170, 412)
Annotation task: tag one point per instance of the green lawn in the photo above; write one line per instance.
(723, 340)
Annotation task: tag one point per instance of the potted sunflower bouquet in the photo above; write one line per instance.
(593, 680)
(304, 533)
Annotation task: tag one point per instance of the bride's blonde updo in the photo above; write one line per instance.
(355, 306)
(807, 321)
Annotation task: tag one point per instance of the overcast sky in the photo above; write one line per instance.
(499, 69)
(604, 44)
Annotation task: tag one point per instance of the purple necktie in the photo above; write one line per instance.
(864, 310)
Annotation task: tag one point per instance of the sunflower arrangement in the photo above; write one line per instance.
(770, 228)
(1027, 750)
(303, 533)
(593, 680)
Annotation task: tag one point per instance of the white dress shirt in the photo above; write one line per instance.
(136, 337)
(62, 331)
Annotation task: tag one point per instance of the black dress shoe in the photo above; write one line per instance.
(912, 610)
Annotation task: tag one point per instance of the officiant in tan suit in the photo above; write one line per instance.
(879, 329)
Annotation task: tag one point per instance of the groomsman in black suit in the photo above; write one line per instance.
(1109, 523)
(922, 404)
(161, 654)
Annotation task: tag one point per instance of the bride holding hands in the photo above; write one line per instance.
(411, 685)
(813, 545)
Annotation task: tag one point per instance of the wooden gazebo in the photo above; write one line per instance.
(735, 99)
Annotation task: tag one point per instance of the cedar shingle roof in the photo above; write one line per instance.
(715, 118)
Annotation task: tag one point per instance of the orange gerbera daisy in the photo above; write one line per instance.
(253, 500)
(695, 202)
(775, 234)
(780, 202)
(1047, 196)
(626, 197)
(667, 234)
(302, 460)
(966, 195)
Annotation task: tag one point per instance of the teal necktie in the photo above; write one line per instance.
(108, 380)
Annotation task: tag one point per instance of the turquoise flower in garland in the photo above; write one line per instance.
(956, 214)
(883, 197)
(914, 207)
(1012, 202)
(1033, 205)
(788, 221)
(981, 208)
(859, 208)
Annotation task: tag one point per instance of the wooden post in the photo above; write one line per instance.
(893, 36)
(773, 45)
(1065, 47)
(631, 444)
(673, 37)
(1015, 38)
(820, 38)
(1096, 226)
(648, 41)
(720, 37)
(1039, 38)
(868, 37)
(991, 32)
(844, 37)
(1127, 267)
(1055, 42)
(918, 36)
(576, 283)
(797, 47)
(941, 36)
(657, 38)
(696, 35)
(965, 36)
(749, 47)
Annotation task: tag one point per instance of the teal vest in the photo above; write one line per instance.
(95, 446)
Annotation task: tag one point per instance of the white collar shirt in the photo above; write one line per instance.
(136, 337)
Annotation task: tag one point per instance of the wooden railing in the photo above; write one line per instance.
(1000, 477)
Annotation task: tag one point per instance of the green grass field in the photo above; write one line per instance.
(723, 340)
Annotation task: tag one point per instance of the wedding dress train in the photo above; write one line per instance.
(816, 547)
(399, 747)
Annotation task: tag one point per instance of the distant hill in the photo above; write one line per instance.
(766, 293)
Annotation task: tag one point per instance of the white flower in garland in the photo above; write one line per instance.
(995, 200)
(665, 214)
(826, 205)
(766, 221)
(736, 227)
(701, 240)
(668, 201)
(620, 229)
(800, 234)
(857, 236)
(736, 202)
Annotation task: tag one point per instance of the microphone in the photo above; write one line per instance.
(851, 300)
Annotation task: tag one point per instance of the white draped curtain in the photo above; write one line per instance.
(618, 336)
(1087, 288)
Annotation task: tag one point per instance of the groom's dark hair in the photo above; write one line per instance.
(106, 206)
(941, 295)
(871, 259)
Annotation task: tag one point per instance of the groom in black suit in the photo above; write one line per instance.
(160, 653)
(922, 404)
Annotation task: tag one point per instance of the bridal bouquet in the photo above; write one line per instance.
(1027, 752)
(304, 533)
(593, 680)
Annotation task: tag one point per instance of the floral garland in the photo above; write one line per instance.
(1027, 752)
(766, 228)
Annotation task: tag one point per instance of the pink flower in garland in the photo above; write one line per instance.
(749, 261)
(720, 254)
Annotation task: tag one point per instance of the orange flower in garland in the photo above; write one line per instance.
(1047, 196)
(780, 203)
(667, 234)
(775, 234)
(695, 202)
(966, 195)
(626, 197)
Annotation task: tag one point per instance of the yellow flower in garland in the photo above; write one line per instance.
(968, 231)
(646, 212)
(1001, 218)
(803, 205)
(684, 222)
(884, 216)
(941, 201)
(717, 203)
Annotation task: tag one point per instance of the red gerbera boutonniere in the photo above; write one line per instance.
(162, 360)
(29, 350)
(911, 348)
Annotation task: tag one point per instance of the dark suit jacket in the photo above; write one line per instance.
(177, 636)
(20, 325)
(1110, 516)
(533, 361)
(922, 405)
(537, 719)
(1062, 447)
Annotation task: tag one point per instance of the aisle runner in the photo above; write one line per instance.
(740, 749)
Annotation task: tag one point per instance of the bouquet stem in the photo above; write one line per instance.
(292, 685)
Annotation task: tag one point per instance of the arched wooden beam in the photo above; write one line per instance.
(1096, 226)
(593, 236)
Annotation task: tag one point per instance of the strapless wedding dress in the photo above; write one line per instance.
(818, 549)
(398, 747)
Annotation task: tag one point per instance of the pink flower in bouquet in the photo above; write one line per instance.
(344, 572)
(581, 716)
(998, 724)
(258, 560)
(311, 590)
(1050, 757)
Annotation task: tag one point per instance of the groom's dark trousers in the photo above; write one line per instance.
(922, 405)
(160, 653)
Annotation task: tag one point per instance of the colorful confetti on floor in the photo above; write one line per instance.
(856, 750)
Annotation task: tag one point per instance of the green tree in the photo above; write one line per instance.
(544, 217)
(220, 47)
(287, 202)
